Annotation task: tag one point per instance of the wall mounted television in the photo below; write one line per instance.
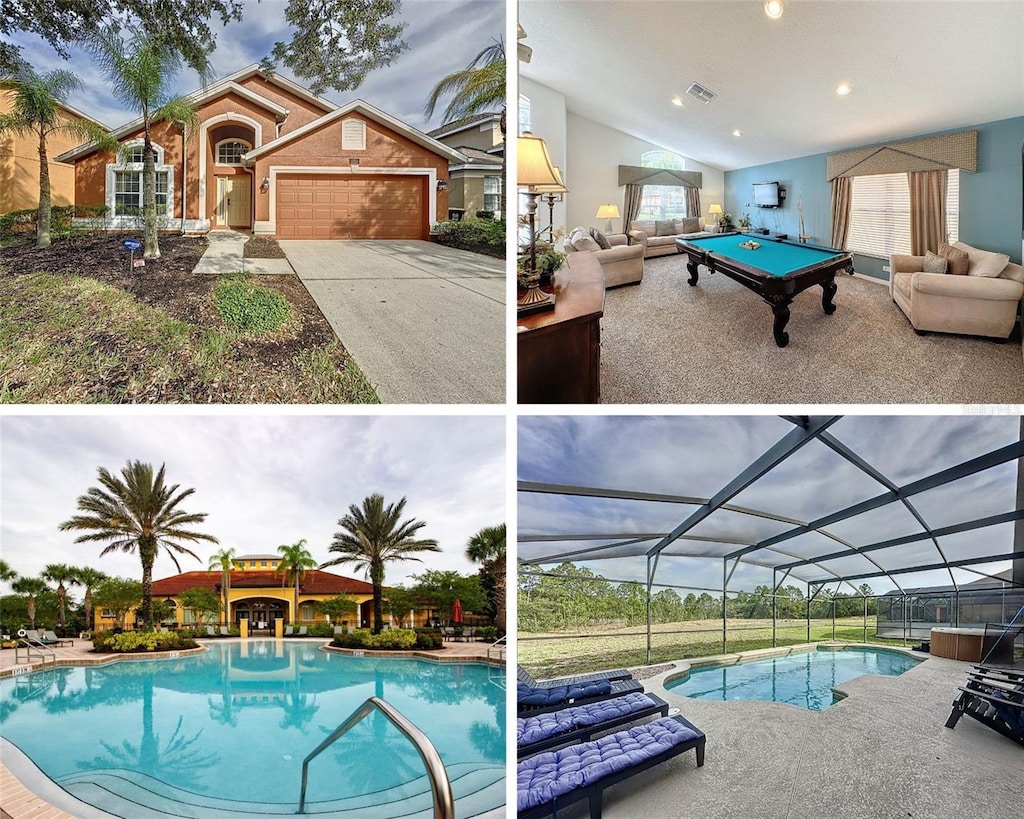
(768, 194)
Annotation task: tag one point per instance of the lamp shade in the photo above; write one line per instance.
(534, 163)
(558, 187)
(715, 210)
(607, 212)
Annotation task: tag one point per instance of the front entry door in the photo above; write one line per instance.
(233, 201)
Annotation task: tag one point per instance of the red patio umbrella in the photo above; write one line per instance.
(457, 611)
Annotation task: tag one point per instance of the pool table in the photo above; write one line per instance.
(776, 271)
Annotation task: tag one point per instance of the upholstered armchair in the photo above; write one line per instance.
(621, 262)
(982, 303)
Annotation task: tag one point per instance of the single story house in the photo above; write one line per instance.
(19, 162)
(476, 182)
(271, 157)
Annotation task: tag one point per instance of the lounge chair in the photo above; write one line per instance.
(302, 631)
(224, 631)
(542, 700)
(51, 639)
(288, 631)
(578, 679)
(339, 630)
(211, 631)
(447, 633)
(33, 636)
(584, 771)
(995, 698)
(581, 722)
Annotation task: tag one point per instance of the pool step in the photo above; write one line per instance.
(133, 795)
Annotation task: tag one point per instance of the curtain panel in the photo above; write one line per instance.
(631, 204)
(692, 202)
(841, 201)
(927, 211)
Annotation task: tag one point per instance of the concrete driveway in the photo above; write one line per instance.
(425, 323)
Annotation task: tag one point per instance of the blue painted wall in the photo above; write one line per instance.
(990, 200)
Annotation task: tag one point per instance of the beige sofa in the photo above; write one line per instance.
(622, 263)
(982, 303)
(645, 234)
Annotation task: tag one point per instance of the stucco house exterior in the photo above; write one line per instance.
(271, 157)
(476, 181)
(19, 163)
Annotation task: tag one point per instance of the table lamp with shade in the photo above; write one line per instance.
(534, 171)
(608, 212)
(553, 193)
(715, 212)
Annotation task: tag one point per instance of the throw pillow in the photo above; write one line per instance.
(690, 225)
(643, 225)
(958, 259)
(935, 264)
(983, 262)
(584, 241)
(667, 228)
(600, 238)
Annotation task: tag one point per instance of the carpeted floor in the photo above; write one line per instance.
(663, 341)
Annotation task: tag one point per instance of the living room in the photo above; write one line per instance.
(827, 100)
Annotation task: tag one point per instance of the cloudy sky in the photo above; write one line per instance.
(443, 36)
(263, 480)
(694, 457)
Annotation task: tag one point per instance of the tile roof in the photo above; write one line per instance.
(313, 581)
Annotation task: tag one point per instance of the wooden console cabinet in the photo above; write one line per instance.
(559, 351)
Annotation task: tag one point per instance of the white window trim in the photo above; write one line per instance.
(216, 152)
(116, 221)
(361, 142)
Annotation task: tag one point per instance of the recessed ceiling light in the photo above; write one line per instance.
(773, 8)
(843, 89)
(677, 100)
(737, 132)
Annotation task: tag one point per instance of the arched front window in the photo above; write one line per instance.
(663, 201)
(525, 114)
(124, 181)
(230, 151)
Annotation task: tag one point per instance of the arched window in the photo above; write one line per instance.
(230, 151)
(525, 114)
(663, 201)
(124, 181)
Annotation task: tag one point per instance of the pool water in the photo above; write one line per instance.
(804, 679)
(224, 733)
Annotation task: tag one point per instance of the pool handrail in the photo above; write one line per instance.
(501, 641)
(440, 785)
(31, 645)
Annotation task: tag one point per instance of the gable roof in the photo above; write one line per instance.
(313, 581)
(369, 111)
(475, 156)
(63, 105)
(465, 124)
(219, 88)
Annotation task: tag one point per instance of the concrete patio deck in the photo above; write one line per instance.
(884, 751)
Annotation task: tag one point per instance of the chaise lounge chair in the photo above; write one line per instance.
(302, 631)
(994, 697)
(577, 679)
(581, 722)
(558, 778)
(288, 631)
(51, 639)
(533, 701)
(224, 631)
(211, 631)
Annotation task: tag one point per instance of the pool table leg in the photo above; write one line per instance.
(828, 293)
(781, 312)
(692, 268)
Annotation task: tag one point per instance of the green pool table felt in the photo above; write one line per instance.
(774, 257)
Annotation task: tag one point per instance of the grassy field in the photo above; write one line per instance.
(557, 654)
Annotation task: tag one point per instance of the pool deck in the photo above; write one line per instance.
(884, 751)
(17, 802)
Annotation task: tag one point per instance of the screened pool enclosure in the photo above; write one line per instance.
(645, 538)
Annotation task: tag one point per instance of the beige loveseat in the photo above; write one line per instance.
(660, 243)
(622, 262)
(982, 303)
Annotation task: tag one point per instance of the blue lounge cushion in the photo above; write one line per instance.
(526, 695)
(543, 726)
(543, 778)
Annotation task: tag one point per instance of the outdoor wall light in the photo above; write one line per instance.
(442, 184)
(265, 184)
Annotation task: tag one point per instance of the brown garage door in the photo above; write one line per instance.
(314, 206)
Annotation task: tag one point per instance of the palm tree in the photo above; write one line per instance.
(477, 88)
(224, 560)
(488, 548)
(30, 586)
(140, 70)
(36, 111)
(61, 574)
(6, 572)
(374, 536)
(90, 578)
(138, 513)
(295, 559)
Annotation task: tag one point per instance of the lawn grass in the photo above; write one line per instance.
(73, 339)
(556, 655)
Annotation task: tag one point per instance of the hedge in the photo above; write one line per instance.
(393, 639)
(23, 222)
(478, 235)
(131, 642)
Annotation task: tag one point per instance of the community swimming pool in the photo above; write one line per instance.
(805, 679)
(224, 733)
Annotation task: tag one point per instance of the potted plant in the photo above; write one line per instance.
(549, 260)
(744, 222)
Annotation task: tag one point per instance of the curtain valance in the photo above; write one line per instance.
(636, 175)
(959, 150)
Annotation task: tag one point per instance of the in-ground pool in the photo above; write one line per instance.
(224, 733)
(805, 679)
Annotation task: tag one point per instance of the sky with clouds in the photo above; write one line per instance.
(263, 480)
(693, 457)
(443, 36)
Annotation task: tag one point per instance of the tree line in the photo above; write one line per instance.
(571, 597)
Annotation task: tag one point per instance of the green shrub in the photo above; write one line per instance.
(485, 214)
(251, 308)
(138, 641)
(23, 222)
(321, 630)
(428, 638)
(478, 235)
(487, 633)
(395, 639)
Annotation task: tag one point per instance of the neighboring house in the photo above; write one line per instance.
(476, 184)
(271, 157)
(263, 594)
(19, 163)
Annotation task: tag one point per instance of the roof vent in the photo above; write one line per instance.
(701, 93)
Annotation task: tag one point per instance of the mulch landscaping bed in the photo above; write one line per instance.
(262, 247)
(257, 369)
